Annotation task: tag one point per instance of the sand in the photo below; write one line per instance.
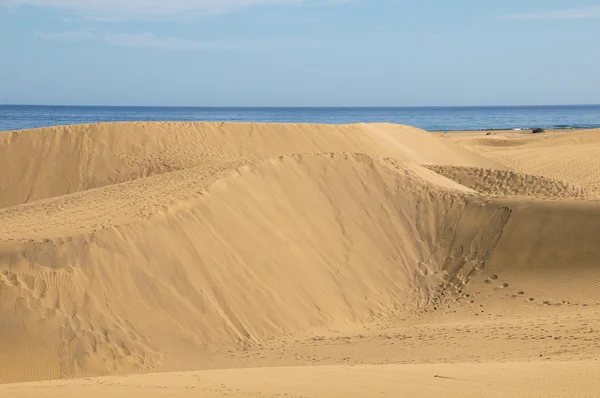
(442, 380)
(204, 259)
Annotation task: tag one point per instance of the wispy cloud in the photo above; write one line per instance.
(573, 13)
(66, 36)
(145, 8)
(151, 41)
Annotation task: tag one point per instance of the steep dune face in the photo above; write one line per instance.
(282, 245)
(176, 241)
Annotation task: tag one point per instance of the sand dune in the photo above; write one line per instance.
(77, 158)
(565, 156)
(152, 247)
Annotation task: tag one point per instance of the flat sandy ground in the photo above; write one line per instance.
(443, 380)
(206, 259)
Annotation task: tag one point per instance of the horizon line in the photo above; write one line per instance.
(296, 107)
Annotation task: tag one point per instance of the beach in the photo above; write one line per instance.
(166, 259)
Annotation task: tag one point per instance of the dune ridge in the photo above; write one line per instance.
(145, 247)
(77, 158)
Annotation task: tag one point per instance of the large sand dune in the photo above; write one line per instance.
(151, 247)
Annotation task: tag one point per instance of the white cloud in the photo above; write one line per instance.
(151, 41)
(574, 13)
(66, 36)
(128, 8)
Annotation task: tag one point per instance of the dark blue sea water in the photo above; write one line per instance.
(17, 117)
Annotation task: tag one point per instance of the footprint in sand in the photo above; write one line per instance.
(27, 281)
(10, 279)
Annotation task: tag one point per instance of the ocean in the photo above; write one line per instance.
(18, 117)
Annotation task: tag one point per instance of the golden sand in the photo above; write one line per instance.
(204, 259)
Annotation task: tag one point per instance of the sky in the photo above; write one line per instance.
(299, 52)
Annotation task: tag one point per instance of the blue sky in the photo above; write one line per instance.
(299, 52)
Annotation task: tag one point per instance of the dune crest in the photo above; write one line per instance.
(78, 158)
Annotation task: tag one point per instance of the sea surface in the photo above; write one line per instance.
(18, 117)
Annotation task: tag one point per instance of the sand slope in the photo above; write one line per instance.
(145, 247)
(570, 156)
(509, 183)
